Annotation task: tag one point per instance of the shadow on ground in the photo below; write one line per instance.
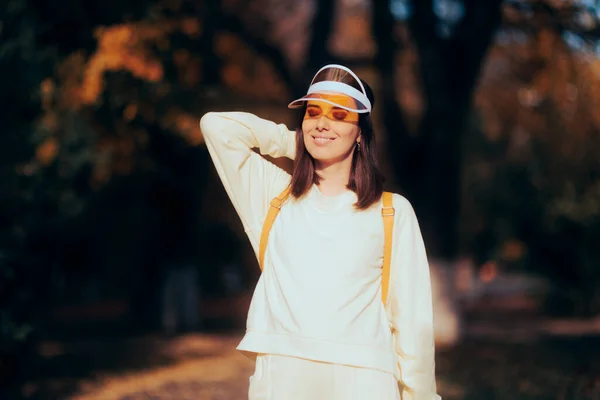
(123, 364)
(71, 355)
(548, 368)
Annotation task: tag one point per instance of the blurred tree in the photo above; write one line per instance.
(318, 53)
(74, 120)
(108, 94)
(451, 45)
(25, 201)
(451, 40)
(212, 15)
(538, 179)
(427, 163)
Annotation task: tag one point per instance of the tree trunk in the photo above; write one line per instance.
(427, 165)
(318, 53)
(398, 136)
(322, 28)
(449, 70)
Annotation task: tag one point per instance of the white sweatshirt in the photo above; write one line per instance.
(319, 296)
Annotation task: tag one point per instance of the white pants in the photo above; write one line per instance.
(288, 378)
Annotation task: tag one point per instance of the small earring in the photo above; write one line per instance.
(357, 145)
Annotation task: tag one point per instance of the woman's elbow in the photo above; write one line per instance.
(215, 126)
(207, 121)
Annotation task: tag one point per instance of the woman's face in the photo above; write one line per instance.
(330, 132)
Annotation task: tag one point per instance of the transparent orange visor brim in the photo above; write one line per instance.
(317, 108)
(339, 100)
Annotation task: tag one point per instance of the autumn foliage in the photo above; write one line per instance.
(114, 116)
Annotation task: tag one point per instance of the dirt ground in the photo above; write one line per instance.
(510, 362)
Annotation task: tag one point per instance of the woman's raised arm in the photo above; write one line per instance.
(250, 180)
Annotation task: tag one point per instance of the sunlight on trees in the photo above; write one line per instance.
(122, 47)
(113, 95)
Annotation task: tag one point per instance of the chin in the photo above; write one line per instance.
(326, 158)
(322, 155)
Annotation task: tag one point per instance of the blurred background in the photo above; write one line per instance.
(124, 270)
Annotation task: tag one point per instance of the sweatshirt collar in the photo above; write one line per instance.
(331, 203)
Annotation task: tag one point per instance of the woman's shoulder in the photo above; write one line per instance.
(399, 201)
(401, 204)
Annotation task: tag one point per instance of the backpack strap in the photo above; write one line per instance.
(274, 208)
(387, 212)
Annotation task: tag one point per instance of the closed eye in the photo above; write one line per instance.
(313, 111)
(340, 115)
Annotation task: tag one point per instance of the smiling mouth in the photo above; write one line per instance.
(323, 139)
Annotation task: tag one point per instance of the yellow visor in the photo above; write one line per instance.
(330, 108)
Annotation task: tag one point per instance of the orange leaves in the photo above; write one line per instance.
(127, 47)
(113, 156)
(260, 82)
(187, 126)
(191, 27)
(535, 83)
(68, 78)
(123, 47)
(189, 68)
(353, 36)
(130, 112)
(184, 124)
(47, 89)
(233, 75)
(513, 250)
(46, 152)
(181, 57)
(191, 74)
(228, 44)
(49, 121)
(247, 73)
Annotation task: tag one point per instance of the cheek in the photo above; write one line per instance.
(307, 126)
(349, 135)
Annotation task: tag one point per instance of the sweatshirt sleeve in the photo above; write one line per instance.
(410, 306)
(251, 182)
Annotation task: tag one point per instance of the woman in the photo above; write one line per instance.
(317, 325)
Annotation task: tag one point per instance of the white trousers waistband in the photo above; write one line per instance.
(288, 378)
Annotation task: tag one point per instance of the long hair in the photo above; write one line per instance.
(366, 179)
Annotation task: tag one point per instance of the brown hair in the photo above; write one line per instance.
(366, 180)
(339, 75)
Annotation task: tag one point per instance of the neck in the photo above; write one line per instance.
(334, 176)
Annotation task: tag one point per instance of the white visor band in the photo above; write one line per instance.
(339, 87)
(327, 83)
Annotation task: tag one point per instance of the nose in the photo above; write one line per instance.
(322, 123)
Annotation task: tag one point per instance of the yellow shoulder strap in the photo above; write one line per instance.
(271, 215)
(387, 212)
